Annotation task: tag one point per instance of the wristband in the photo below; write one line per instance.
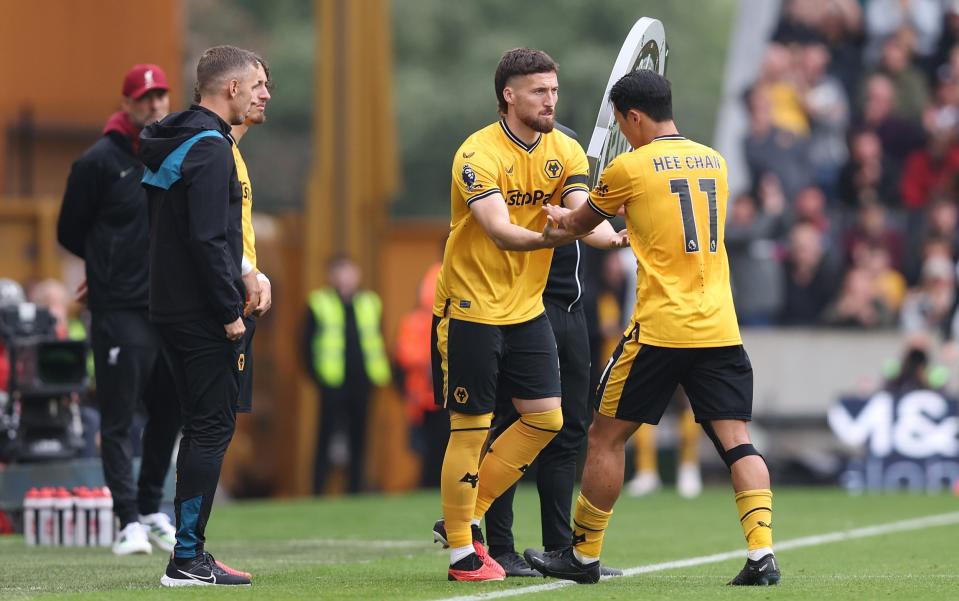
(245, 266)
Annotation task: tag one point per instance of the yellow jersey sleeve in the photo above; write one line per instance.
(615, 189)
(249, 238)
(577, 177)
(475, 174)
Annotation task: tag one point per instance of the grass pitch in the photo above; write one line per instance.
(378, 547)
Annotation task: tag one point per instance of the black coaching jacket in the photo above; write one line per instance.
(196, 240)
(103, 220)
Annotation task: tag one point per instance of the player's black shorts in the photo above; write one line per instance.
(244, 403)
(470, 358)
(640, 380)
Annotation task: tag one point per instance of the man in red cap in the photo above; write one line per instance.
(104, 221)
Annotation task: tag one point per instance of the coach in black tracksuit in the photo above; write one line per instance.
(196, 292)
(103, 220)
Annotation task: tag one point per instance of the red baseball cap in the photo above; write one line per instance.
(142, 78)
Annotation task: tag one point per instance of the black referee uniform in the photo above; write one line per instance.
(556, 463)
(196, 245)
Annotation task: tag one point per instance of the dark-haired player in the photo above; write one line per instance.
(684, 328)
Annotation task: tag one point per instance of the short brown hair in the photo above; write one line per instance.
(520, 61)
(218, 63)
(259, 59)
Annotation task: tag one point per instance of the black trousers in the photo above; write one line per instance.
(206, 368)
(342, 410)
(556, 463)
(133, 373)
(436, 437)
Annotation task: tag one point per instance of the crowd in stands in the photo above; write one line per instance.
(850, 219)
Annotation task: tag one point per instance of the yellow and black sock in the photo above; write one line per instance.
(688, 438)
(460, 476)
(756, 516)
(589, 527)
(645, 454)
(511, 453)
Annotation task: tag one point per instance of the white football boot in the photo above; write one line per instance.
(160, 530)
(643, 483)
(689, 483)
(132, 540)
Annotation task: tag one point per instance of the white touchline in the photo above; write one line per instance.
(944, 519)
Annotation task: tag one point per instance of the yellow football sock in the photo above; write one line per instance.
(688, 438)
(589, 526)
(510, 454)
(756, 516)
(645, 453)
(460, 474)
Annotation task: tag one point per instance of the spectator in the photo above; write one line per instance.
(910, 85)
(930, 171)
(770, 149)
(889, 284)
(782, 83)
(345, 354)
(53, 295)
(841, 27)
(754, 268)
(859, 304)
(898, 136)
(809, 280)
(871, 228)
(884, 18)
(827, 107)
(868, 177)
(927, 310)
(810, 207)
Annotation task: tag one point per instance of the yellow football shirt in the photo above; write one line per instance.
(479, 282)
(675, 192)
(249, 239)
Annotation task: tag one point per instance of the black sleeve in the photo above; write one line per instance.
(79, 207)
(207, 170)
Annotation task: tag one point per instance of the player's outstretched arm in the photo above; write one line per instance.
(602, 236)
(578, 222)
(493, 217)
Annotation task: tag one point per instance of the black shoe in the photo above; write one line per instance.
(199, 571)
(762, 572)
(439, 534)
(608, 571)
(562, 564)
(516, 566)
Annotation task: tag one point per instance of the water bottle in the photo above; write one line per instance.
(104, 505)
(30, 520)
(46, 523)
(81, 518)
(63, 504)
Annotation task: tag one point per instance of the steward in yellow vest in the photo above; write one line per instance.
(328, 343)
(345, 354)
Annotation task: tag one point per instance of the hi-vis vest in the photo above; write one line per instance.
(329, 343)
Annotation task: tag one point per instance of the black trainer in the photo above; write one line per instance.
(562, 564)
(762, 572)
(516, 566)
(199, 571)
(439, 534)
(608, 571)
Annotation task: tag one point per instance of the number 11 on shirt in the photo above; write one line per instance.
(680, 187)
